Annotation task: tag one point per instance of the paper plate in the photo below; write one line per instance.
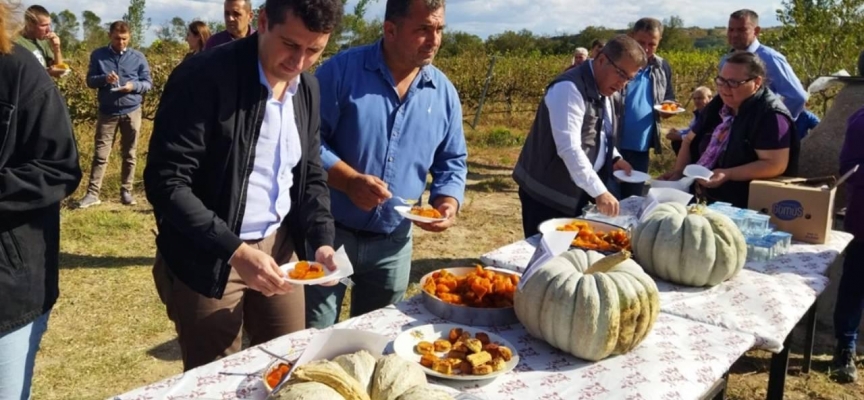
(697, 171)
(659, 108)
(405, 212)
(406, 342)
(635, 176)
(287, 268)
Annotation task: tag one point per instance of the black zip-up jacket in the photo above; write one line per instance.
(202, 153)
(38, 169)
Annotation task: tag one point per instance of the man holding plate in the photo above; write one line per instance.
(569, 154)
(234, 175)
(388, 119)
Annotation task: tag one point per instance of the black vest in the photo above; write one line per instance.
(739, 151)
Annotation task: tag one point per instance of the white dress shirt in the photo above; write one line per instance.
(566, 113)
(268, 197)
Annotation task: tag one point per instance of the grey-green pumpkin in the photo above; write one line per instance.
(589, 305)
(690, 246)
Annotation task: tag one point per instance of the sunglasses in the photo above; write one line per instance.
(732, 84)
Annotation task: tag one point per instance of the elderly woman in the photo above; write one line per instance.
(746, 133)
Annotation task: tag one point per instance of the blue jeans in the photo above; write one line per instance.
(17, 355)
(850, 296)
(639, 160)
(382, 265)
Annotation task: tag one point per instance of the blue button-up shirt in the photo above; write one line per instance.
(638, 130)
(366, 125)
(781, 78)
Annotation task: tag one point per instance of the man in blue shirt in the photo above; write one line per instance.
(121, 76)
(805, 122)
(641, 123)
(388, 118)
(742, 36)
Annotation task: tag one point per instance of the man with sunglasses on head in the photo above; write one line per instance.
(742, 34)
(569, 154)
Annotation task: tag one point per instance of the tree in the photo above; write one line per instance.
(173, 31)
(515, 43)
(674, 35)
(819, 37)
(138, 25)
(355, 30)
(66, 27)
(458, 43)
(94, 34)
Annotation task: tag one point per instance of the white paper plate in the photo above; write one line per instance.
(290, 267)
(405, 212)
(405, 344)
(551, 225)
(682, 184)
(697, 171)
(635, 176)
(116, 89)
(659, 108)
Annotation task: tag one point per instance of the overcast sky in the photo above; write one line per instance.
(480, 17)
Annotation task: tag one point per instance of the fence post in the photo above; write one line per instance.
(483, 95)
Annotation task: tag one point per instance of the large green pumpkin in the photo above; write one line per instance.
(690, 246)
(588, 305)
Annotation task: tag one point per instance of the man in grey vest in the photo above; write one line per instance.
(569, 155)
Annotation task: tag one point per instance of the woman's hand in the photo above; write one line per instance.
(671, 176)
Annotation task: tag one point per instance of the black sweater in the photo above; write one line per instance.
(202, 153)
(38, 169)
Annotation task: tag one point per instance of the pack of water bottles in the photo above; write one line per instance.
(764, 242)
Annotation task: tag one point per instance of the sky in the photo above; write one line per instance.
(482, 18)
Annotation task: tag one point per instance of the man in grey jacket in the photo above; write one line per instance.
(121, 76)
(640, 125)
(569, 154)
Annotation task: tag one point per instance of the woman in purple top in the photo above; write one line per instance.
(850, 297)
(746, 133)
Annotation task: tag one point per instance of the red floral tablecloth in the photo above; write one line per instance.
(679, 359)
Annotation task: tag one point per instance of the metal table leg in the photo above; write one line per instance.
(718, 389)
(811, 334)
(777, 373)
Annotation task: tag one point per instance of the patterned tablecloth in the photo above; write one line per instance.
(679, 359)
(767, 299)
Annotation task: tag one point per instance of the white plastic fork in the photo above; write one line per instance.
(406, 202)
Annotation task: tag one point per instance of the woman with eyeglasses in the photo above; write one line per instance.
(196, 36)
(747, 133)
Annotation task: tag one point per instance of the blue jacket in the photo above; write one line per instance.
(130, 66)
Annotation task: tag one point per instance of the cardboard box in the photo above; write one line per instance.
(802, 207)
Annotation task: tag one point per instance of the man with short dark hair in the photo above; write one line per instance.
(121, 76)
(238, 23)
(640, 125)
(388, 118)
(596, 47)
(41, 41)
(235, 178)
(742, 35)
(569, 154)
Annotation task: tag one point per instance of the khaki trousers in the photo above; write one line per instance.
(209, 329)
(106, 129)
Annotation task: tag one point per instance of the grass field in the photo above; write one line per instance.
(109, 334)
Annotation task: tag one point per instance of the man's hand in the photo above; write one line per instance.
(324, 255)
(622, 165)
(54, 41)
(127, 88)
(448, 207)
(673, 134)
(259, 271)
(671, 176)
(719, 178)
(607, 204)
(112, 78)
(689, 137)
(367, 191)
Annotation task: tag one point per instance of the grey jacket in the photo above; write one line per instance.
(540, 171)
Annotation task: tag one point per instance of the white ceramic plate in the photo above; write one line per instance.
(659, 108)
(697, 171)
(405, 344)
(551, 225)
(635, 176)
(405, 212)
(287, 268)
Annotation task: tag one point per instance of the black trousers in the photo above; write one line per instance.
(535, 212)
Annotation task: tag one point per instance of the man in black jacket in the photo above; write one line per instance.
(235, 178)
(38, 169)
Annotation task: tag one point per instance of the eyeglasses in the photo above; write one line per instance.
(623, 75)
(721, 81)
